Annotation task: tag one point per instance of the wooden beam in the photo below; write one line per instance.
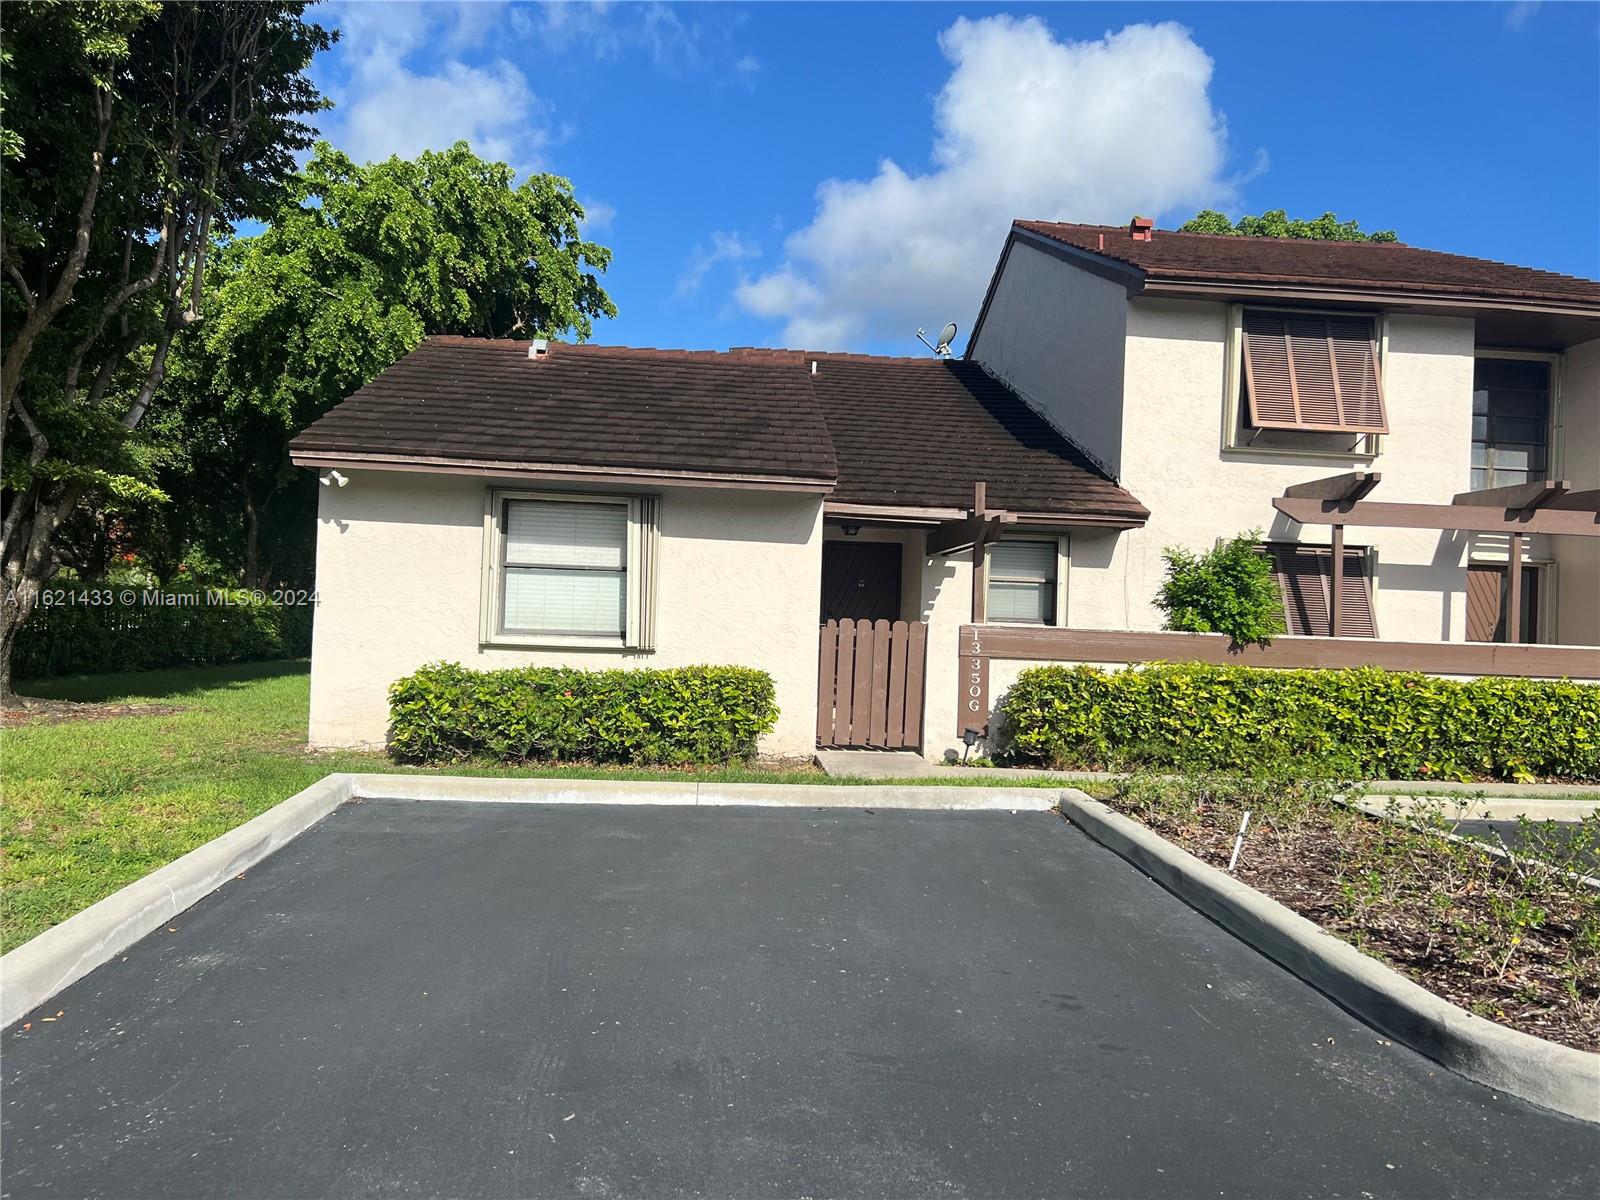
(1375, 514)
(952, 537)
(1043, 644)
(1534, 494)
(1336, 595)
(1514, 591)
(1352, 485)
(980, 596)
(1586, 501)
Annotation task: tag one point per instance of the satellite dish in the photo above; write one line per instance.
(942, 347)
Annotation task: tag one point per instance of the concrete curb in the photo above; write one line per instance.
(499, 790)
(1519, 1064)
(1484, 808)
(65, 953)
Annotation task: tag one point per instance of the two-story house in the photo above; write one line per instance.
(893, 539)
(1208, 374)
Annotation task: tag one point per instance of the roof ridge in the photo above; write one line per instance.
(1408, 263)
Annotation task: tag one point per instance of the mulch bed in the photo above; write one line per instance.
(1307, 866)
(54, 712)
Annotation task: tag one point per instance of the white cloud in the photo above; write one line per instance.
(1025, 126)
(723, 247)
(1520, 13)
(384, 106)
(598, 216)
(675, 44)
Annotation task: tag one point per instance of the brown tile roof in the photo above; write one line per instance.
(650, 411)
(912, 432)
(922, 432)
(1347, 266)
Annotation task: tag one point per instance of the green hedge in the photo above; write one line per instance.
(1363, 722)
(221, 626)
(446, 712)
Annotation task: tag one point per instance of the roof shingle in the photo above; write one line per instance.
(897, 432)
(485, 400)
(1351, 266)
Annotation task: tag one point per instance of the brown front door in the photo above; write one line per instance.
(1486, 604)
(861, 581)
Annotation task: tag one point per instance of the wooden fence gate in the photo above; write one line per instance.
(869, 683)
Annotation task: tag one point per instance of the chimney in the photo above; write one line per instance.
(1141, 229)
(538, 348)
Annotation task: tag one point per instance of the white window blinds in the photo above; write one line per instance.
(1022, 582)
(565, 568)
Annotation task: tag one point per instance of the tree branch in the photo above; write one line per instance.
(42, 314)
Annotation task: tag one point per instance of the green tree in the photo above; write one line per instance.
(353, 271)
(1228, 589)
(1277, 223)
(136, 134)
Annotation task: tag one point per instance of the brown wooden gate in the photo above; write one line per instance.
(869, 683)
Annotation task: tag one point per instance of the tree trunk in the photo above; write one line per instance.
(252, 543)
(28, 563)
(18, 607)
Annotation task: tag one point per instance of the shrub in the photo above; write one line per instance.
(221, 626)
(1228, 589)
(1361, 722)
(445, 712)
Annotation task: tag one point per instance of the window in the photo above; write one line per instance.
(1312, 371)
(1022, 581)
(569, 569)
(1510, 421)
(1305, 582)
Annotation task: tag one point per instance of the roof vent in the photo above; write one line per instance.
(1141, 229)
(539, 347)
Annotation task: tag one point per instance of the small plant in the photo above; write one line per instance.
(1228, 589)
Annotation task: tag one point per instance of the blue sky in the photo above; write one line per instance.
(833, 176)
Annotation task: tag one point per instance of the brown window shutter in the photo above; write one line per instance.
(1304, 590)
(1268, 373)
(1355, 609)
(1305, 580)
(1355, 358)
(1483, 602)
(1306, 371)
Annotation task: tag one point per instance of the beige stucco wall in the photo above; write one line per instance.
(399, 570)
(1173, 461)
(1054, 333)
(1578, 559)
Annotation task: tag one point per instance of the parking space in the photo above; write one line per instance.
(507, 1000)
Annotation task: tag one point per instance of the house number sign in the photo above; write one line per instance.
(972, 705)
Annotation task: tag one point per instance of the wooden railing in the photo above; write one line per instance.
(870, 682)
(982, 643)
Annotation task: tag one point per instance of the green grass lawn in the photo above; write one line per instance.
(91, 805)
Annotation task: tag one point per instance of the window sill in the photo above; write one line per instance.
(555, 641)
(1284, 452)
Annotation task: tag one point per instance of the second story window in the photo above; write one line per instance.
(1510, 421)
(1302, 382)
(1312, 371)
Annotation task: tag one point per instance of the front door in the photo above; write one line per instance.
(860, 580)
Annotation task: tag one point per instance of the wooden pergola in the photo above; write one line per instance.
(1546, 506)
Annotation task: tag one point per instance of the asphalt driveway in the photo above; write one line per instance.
(506, 1000)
